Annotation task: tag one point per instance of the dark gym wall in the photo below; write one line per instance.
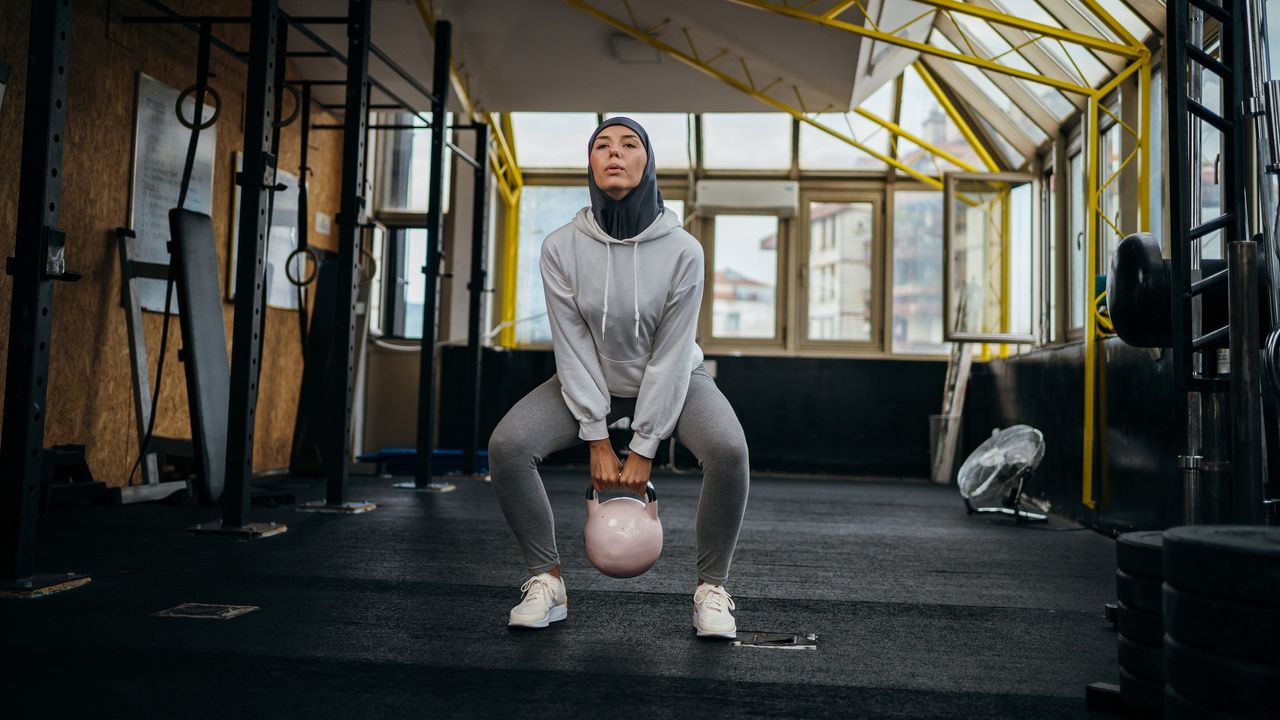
(1136, 480)
(804, 415)
(90, 392)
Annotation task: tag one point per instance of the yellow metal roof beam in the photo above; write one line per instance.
(983, 106)
(1115, 26)
(952, 112)
(1028, 46)
(744, 88)
(995, 16)
(907, 135)
(1017, 93)
(924, 48)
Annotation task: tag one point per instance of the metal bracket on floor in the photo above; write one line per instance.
(348, 508)
(1104, 696)
(40, 586)
(432, 487)
(777, 641)
(251, 531)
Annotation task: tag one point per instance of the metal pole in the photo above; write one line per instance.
(1248, 457)
(257, 174)
(304, 212)
(37, 261)
(426, 376)
(277, 106)
(352, 204)
(476, 287)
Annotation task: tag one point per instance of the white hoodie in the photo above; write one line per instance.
(624, 314)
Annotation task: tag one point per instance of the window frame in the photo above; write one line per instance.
(803, 244)
(948, 195)
(781, 299)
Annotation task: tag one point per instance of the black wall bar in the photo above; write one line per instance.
(255, 179)
(38, 261)
(352, 204)
(427, 375)
(476, 286)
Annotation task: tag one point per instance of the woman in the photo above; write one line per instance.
(644, 365)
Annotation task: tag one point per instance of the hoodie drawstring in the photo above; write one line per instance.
(635, 282)
(608, 267)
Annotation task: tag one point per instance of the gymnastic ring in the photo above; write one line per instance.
(217, 107)
(297, 106)
(1271, 361)
(315, 264)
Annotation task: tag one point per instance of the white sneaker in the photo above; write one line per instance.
(711, 618)
(544, 602)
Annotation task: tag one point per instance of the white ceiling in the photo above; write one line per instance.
(543, 55)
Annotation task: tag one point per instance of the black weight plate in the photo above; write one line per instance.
(1177, 707)
(1144, 698)
(1238, 563)
(1138, 593)
(1140, 626)
(1235, 686)
(1141, 554)
(1144, 663)
(1222, 628)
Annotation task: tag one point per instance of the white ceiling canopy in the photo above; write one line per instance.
(545, 55)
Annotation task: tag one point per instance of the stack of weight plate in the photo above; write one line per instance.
(1140, 559)
(1222, 622)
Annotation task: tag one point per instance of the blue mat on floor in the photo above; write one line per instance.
(403, 461)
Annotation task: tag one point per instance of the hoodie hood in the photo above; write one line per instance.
(637, 210)
(662, 225)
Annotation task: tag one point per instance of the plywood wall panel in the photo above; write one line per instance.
(90, 393)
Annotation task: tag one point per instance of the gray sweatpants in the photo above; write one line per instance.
(541, 424)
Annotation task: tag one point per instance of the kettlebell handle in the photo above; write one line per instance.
(648, 491)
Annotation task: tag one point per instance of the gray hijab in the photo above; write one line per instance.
(629, 216)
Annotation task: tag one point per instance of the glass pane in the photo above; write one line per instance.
(552, 140)
(1024, 273)
(924, 117)
(1068, 55)
(1076, 239)
(1211, 159)
(746, 141)
(839, 275)
(378, 244)
(1127, 18)
(669, 133)
(1155, 157)
(415, 286)
(917, 272)
(744, 304)
(1011, 156)
(821, 151)
(994, 94)
(542, 210)
(676, 206)
(406, 165)
(990, 243)
(993, 45)
(1109, 201)
(1049, 211)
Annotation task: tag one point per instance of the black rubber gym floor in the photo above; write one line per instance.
(920, 611)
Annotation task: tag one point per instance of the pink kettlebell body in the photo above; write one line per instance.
(623, 536)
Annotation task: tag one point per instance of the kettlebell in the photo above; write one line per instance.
(623, 536)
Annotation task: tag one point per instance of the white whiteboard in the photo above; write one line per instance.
(282, 241)
(159, 152)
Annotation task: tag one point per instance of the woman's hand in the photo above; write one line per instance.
(606, 469)
(635, 474)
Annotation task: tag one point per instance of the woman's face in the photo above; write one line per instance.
(617, 160)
